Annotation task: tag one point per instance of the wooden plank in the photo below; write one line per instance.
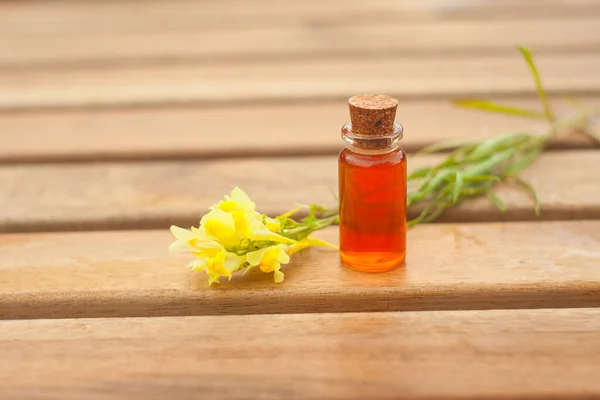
(155, 194)
(41, 18)
(473, 266)
(247, 130)
(300, 43)
(442, 355)
(293, 80)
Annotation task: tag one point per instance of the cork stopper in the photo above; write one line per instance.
(372, 114)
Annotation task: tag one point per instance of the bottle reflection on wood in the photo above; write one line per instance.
(372, 187)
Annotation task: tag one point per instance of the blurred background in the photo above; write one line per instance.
(125, 83)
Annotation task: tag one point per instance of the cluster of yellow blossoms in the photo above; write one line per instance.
(233, 236)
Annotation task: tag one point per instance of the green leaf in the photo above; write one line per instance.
(472, 191)
(439, 201)
(496, 200)
(538, 82)
(522, 163)
(457, 186)
(480, 178)
(441, 207)
(493, 107)
(531, 190)
(420, 173)
(421, 216)
(437, 180)
(486, 147)
(434, 148)
(486, 166)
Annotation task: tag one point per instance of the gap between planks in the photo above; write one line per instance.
(449, 267)
(131, 195)
(245, 131)
(435, 355)
(310, 80)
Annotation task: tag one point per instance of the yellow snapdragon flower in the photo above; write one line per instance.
(195, 241)
(222, 263)
(234, 236)
(269, 259)
(308, 242)
(272, 224)
(221, 227)
(238, 200)
(236, 217)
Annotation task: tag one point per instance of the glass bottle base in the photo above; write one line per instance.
(372, 261)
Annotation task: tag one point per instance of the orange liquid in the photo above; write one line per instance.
(372, 190)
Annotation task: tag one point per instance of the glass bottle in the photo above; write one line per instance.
(372, 186)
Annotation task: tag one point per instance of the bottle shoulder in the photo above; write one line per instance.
(396, 156)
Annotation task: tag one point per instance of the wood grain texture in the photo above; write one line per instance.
(43, 18)
(550, 354)
(40, 197)
(243, 130)
(449, 266)
(301, 42)
(314, 79)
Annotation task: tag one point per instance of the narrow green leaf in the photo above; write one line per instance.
(484, 167)
(480, 178)
(437, 180)
(421, 216)
(425, 215)
(514, 169)
(532, 191)
(457, 186)
(441, 207)
(493, 107)
(496, 144)
(496, 200)
(472, 191)
(419, 173)
(538, 82)
(434, 148)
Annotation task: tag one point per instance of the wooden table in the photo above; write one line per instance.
(119, 118)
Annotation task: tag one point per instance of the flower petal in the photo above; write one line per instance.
(254, 257)
(272, 224)
(242, 199)
(261, 232)
(181, 234)
(278, 276)
(233, 262)
(197, 265)
(220, 226)
(307, 242)
(283, 257)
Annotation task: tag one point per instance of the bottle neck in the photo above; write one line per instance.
(364, 144)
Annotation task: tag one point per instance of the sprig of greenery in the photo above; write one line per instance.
(473, 168)
(318, 218)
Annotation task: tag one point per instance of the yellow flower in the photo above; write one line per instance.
(259, 231)
(238, 200)
(272, 224)
(232, 227)
(222, 263)
(235, 217)
(196, 241)
(269, 259)
(307, 242)
(220, 226)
